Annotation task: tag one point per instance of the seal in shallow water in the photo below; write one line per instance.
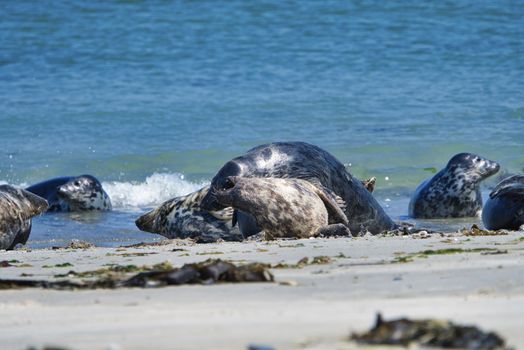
(286, 207)
(17, 207)
(73, 193)
(504, 208)
(308, 162)
(182, 217)
(454, 191)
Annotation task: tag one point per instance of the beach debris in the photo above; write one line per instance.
(260, 347)
(404, 258)
(207, 272)
(7, 263)
(477, 231)
(317, 260)
(429, 332)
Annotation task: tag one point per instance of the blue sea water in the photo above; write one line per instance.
(152, 97)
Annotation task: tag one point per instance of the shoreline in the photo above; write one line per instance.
(475, 280)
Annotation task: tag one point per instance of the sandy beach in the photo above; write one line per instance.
(469, 280)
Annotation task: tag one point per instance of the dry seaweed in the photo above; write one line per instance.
(429, 332)
(317, 260)
(477, 231)
(207, 272)
(425, 253)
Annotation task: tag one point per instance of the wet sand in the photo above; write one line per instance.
(480, 281)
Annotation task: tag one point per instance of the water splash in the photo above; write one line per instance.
(156, 189)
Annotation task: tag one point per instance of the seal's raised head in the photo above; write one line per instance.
(219, 182)
(474, 167)
(84, 192)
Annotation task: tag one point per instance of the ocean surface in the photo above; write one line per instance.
(153, 97)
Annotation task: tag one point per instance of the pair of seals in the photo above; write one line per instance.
(504, 208)
(300, 160)
(183, 217)
(17, 207)
(73, 193)
(455, 190)
(286, 207)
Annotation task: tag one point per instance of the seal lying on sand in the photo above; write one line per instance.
(182, 217)
(301, 160)
(286, 207)
(17, 207)
(454, 191)
(73, 193)
(504, 208)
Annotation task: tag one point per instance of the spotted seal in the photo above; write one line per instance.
(73, 193)
(454, 191)
(286, 207)
(182, 217)
(302, 160)
(504, 208)
(17, 207)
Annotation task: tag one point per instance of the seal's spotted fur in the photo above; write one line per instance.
(182, 217)
(73, 193)
(17, 207)
(454, 191)
(504, 208)
(286, 207)
(301, 160)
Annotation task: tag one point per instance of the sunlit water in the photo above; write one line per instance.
(152, 97)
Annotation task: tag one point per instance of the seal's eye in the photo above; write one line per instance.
(76, 183)
(228, 184)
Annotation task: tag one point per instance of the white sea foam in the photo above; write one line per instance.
(156, 189)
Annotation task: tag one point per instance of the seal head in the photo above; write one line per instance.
(183, 217)
(17, 207)
(84, 192)
(455, 190)
(504, 208)
(73, 193)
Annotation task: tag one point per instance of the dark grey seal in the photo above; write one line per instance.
(504, 208)
(455, 190)
(73, 193)
(182, 217)
(286, 208)
(17, 207)
(301, 160)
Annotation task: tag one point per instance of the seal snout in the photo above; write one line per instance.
(489, 168)
(147, 222)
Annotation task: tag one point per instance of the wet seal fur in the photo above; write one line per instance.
(304, 161)
(504, 208)
(182, 217)
(286, 208)
(17, 207)
(455, 190)
(73, 193)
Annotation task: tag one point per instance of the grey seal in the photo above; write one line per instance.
(73, 193)
(182, 217)
(455, 190)
(17, 207)
(286, 208)
(304, 161)
(504, 208)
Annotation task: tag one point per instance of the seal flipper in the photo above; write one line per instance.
(225, 214)
(234, 219)
(334, 205)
